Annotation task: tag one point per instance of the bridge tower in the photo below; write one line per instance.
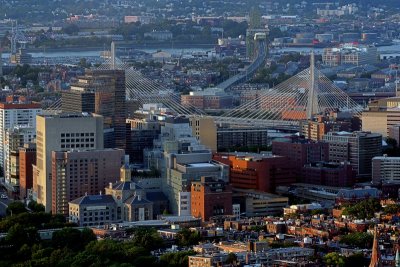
(312, 102)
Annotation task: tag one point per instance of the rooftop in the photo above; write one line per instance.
(93, 199)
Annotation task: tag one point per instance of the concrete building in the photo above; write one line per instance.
(210, 198)
(101, 92)
(229, 138)
(205, 130)
(27, 158)
(256, 203)
(61, 132)
(385, 170)
(350, 54)
(13, 114)
(257, 171)
(381, 115)
(79, 172)
(358, 148)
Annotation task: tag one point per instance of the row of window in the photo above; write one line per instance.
(76, 134)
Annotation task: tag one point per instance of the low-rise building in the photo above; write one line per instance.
(93, 210)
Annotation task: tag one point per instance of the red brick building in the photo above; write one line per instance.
(300, 152)
(329, 174)
(210, 197)
(27, 157)
(257, 171)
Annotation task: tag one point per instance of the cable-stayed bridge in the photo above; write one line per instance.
(301, 97)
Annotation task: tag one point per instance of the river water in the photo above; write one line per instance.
(392, 50)
(96, 53)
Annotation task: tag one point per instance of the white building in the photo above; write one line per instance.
(385, 170)
(14, 114)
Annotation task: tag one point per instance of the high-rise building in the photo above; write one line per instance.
(13, 114)
(101, 92)
(15, 138)
(62, 132)
(27, 158)
(79, 172)
(358, 148)
(210, 197)
(78, 100)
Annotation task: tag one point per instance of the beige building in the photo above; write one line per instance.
(201, 261)
(205, 130)
(381, 115)
(61, 132)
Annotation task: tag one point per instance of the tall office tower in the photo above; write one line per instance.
(13, 114)
(358, 148)
(101, 92)
(77, 100)
(79, 172)
(27, 158)
(15, 138)
(61, 132)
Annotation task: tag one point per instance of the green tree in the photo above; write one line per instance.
(360, 240)
(17, 236)
(231, 258)
(185, 237)
(147, 238)
(15, 208)
(176, 259)
(333, 259)
(36, 207)
(391, 209)
(72, 238)
(364, 209)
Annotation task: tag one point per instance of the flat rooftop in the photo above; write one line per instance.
(200, 165)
